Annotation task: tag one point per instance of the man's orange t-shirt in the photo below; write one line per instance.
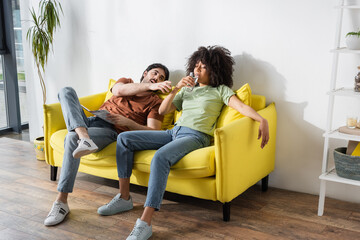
(136, 108)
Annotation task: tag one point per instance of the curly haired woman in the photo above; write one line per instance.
(213, 67)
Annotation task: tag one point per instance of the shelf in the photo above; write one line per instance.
(338, 135)
(333, 177)
(345, 50)
(348, 92)
(335, 134)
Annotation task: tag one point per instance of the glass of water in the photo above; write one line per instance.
(190, 88)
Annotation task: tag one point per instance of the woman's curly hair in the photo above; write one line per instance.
(219, 63)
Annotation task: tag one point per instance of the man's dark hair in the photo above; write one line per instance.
(219, 63)
(156, 65)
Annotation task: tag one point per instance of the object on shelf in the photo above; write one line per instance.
(353, 40)
(357, 81)
(351, 121)
(352, 131)
(351, 147)
(346, 166)
(356, 151)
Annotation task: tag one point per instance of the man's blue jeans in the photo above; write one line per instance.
(171, 145)
(101, 132)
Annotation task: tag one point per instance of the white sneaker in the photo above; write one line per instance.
(141, 231)
(85, 147)
(116, 205)
(57, 214)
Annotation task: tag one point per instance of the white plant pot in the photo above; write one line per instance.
(353, 42)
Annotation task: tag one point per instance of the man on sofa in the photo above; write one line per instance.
(133, 106)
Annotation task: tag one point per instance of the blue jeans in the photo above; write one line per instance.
(100, 131)
(171, 145)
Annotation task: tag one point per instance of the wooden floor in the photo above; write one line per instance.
(26, 195)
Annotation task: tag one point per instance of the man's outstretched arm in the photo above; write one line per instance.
(127, 87)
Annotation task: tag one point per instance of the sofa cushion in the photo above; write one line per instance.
(109, 93)
(168, 118)
(102, 158)
(258, 102)
(229, 114)
(197, 164)
(177, 115)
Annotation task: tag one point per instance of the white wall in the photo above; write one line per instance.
(281, 48)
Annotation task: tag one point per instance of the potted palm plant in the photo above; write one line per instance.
(40, 36)
(353, 40)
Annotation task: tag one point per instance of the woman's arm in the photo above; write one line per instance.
(167, 105)
(246, 110)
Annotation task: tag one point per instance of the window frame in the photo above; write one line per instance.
(11, 87)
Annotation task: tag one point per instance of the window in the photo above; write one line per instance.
(12, 76)
(20, 60)
(3, 113)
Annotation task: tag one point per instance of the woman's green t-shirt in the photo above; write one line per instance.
(201, 107)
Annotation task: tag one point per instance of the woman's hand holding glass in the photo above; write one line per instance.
(187, 81)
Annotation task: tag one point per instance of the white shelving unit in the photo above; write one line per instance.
(329, 175)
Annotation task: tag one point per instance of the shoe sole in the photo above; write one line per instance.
(83, 153)
(147, 236)
(110, 214)
(54, 224)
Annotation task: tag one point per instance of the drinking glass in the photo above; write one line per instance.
(189, 89)
(351, 121)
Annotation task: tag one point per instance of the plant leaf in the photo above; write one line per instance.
(40, 34)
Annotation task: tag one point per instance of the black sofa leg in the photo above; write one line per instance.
(226, 211)
(265, 183)
(53, 173)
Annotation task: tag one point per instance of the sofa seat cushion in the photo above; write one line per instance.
(197, 164)
(103, 158)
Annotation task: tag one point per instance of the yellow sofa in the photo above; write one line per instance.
(219, 172)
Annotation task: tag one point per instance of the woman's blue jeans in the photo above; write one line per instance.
(101, 132)
(171, 145)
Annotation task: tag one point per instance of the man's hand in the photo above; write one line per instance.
(121, 121)
(164, 87)
(118, 119)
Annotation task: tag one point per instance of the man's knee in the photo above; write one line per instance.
(65, 92)
(123, 139)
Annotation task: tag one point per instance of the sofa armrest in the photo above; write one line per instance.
(53, 120)
(240, 161)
